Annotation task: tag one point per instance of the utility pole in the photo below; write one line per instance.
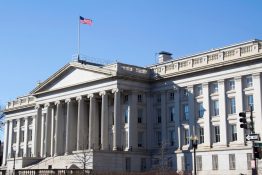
(254, 170)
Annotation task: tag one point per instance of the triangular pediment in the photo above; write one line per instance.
(71, 75)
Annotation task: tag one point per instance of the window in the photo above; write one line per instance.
(143, 164)
(199, 90)
(126, 115)
(158, 98)
(171, 96)
(201, 135)
(171, 114)
(185, 111)
(22, 134)
(30, 135)
(249, 159)
(233, 132)
(126, 139)
(140, 115)
(249, 81)
(214, 162)
(185, 92)
(249, 102)
(200, 109)
(159, 138)
(30, 121)
(14, 123)
(22, 122)
(128, 164)
(198, 163)
(29, 152)
(217, 133)
(215, 107)
(140, 139)
(125, 99)
(158, 115)
(186, 137)
(21, 152)
(139, 98)
(231, 105)
(14, 137)
(231, 84)
(232, 162)
(214, 87)
(172, 137)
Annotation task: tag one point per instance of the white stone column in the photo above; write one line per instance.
(177, 120)
(58, 132)
(52, 131)
(117, 121)
(48, 130)
(222, 113)
(149, 122)
(18, 137)
(207, 127)
(104, 121)
(164, 117)
(6, 140)
(10, 139)
(132, 122)
(42, 135)
(26, 137)
(69, 127)
(191, 106)
(91, 121)
(239, 108)
(80, 124)
(257, 103)
(36, 135)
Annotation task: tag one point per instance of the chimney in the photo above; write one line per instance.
(164, 56)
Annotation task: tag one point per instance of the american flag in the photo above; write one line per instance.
(85, 21)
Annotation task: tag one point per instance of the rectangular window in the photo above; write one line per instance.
(249, 102)
(22, 136)
(199, 90)
(249, 159)
(139, 98)
(30, 121)
(199, 163)
(186, 137)
(215, 87)
(22, 122)
(126, 115)
(143, 164)
(14, 137)
(140, 139)
(159, 115)
(231, 105)
(185, 111)
(158, 138)
(171, 96)
(201, 135)
(140, 115)
(30, 135)
(172, 137)
(215, 107)
(128, 164)
(233, 132)
(249, 81)
(231, 84)
(214, 162)
(158, 98)
(171, 114)
(217, 133)
(232, 162)
(200, 109)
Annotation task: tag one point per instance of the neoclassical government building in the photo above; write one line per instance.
(131, 118)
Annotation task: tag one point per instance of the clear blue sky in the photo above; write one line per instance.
(39, 37)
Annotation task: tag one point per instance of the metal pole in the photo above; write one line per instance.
(78, 52)
(254, 170)
(195, 160)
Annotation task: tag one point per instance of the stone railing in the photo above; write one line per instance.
(21, 101)
(132, 70)
(208, 58)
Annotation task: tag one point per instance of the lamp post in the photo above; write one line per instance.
(194, 140)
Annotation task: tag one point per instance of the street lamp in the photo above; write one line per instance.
(194, 140)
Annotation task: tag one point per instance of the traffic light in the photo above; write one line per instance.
(258, 152)
(243, 120)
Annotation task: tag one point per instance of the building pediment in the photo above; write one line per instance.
(73, 74)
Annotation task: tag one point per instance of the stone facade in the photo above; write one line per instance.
(132, 118)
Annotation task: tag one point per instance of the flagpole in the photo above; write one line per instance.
(78, 54)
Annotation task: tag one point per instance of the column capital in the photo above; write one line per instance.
(38, 106)
(221, 81)
(47, 105)
(57, 102)
(205, 84)
(102, 93)
(238, 78)
(90, 95)
(79, 98)
(115, 90)
(256, 75)
(68, 100)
